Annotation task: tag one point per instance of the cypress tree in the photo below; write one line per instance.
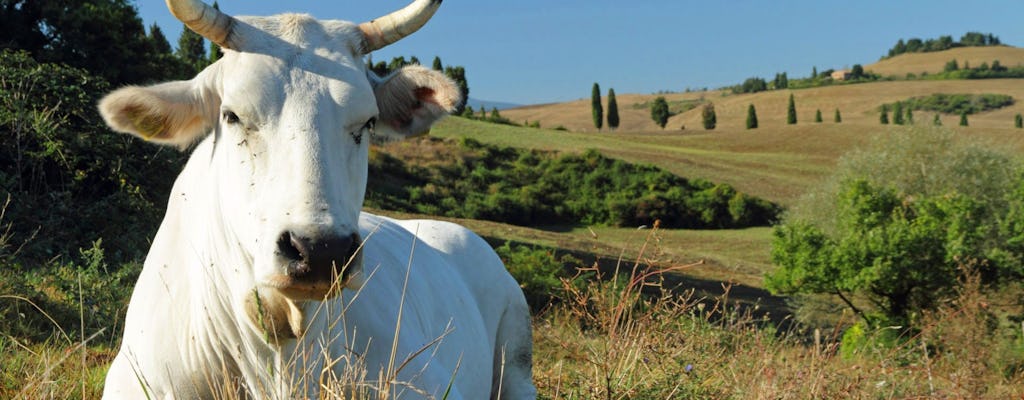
(159, 41)
(897, 113)
(595, 106)
(1018, 121)
(963, 118)
(708, 116)
(838, 118)
(937, 121)
(191, 49)
(613, 110)
(659, 111)
(215, 53)
(910, 116)
(751, 117)
(437, 64)
(791, 111)
(884, 118)
(817, 116)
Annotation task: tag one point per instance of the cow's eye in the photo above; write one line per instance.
(230, 117)
(367, 127)
(372, 123)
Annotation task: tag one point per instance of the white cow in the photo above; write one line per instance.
(241, 293)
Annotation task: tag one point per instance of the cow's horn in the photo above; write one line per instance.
(397, 25)
(207, 21)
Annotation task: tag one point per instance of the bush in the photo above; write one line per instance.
(954, 103)
(40, 302)
(897, 220)
(530, 188)
(540, 271)
(59, 163)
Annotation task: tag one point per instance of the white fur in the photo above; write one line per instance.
(293, 162)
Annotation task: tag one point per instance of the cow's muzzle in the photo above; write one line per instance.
(317, 266)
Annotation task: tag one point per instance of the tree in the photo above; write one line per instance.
(158, 40)
(814, 72)
(897, 113)
(817, 116)
(1018, 121)
(215, 52)
(458, 74)
(884, 118)
(910, 115)
(659, 111)
(437, 66)
(857, 72)
(708, 117)
(963, 118)
(950, 66)
(595, 106)
(884, 233)
(105, 37)
(838, 118)
(192, 49)
(791, 111)
(613, 110)
(937, 121)
(751, 117)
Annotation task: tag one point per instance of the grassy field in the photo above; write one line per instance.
(604, 341)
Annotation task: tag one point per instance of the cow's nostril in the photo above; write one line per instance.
(286, 246)
(320, 258)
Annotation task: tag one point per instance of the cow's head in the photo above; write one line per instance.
(291, 109)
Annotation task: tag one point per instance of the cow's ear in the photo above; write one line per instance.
(173, 113)
(411, 99)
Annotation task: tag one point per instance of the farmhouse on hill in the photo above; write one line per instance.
(841, 75)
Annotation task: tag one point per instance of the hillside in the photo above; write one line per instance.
(857, 103)
(778, 162)
(932, 62)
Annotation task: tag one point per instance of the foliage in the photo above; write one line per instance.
(751, 85)
(945, 42)
(1018, 121)
(540, 271)
(49, 301)
(963, 118)
(897, 114)
(791, 111)
(781, 81)
(884, 116)
(613, 110)
(596, 110)
(897, 221)
(954, 103)
(530, 187)
(192, 50)
(751, 117)
(659, 111)
(817, 116)
(55, 151)
(707, 116)
(838, 117)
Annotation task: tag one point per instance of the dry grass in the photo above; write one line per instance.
(916, 63)
(610, 342)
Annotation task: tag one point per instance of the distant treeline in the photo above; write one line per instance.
(525, 187)
(945, 42)
(954, 103)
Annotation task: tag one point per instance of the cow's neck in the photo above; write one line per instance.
(236, 329)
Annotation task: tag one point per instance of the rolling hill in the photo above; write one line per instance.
(857, 103)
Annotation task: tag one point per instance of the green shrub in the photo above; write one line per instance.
(39, 302)
(898, 221)
(70, 180)
(954, 103)
(540, 271)
(535, 188)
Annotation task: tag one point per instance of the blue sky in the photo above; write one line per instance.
(534, 51)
